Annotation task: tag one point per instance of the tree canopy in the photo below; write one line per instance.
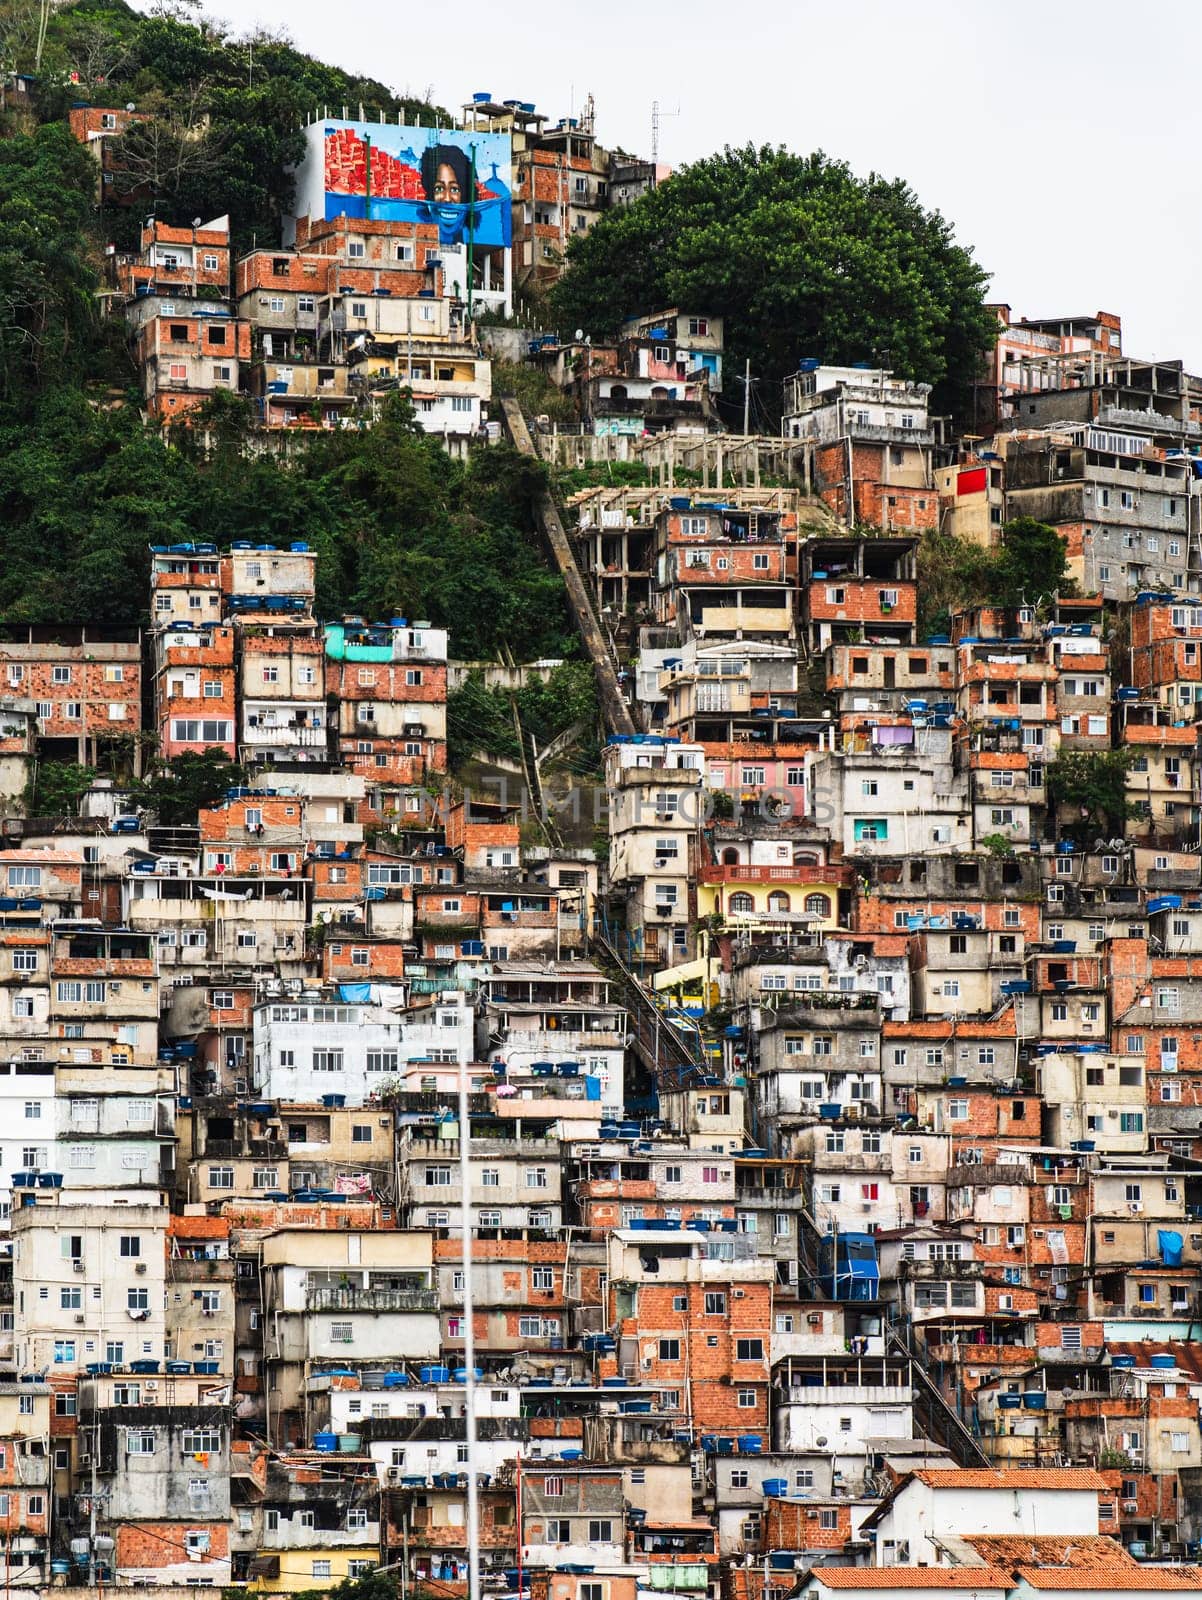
(1028, 567)
(228, 110)
(1090, 787)
(399, 527)
(800, 258)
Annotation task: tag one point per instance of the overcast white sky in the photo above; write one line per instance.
(1053, 134)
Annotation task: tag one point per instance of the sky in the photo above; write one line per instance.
(1053, 135)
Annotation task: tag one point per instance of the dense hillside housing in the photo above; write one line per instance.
(795, 1189)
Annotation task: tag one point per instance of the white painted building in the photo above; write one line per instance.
(88, 1280)
(893, 799)
(322, 1044)
(930, 1506)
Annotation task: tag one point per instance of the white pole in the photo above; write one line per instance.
(469, 1339)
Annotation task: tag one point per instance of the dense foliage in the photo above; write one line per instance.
(1028, 567)
(481, 720)
(1091, 787)
(86, 487)
(801, 258)
(227, 110)
(400, 528)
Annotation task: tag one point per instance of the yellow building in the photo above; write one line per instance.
(750, 897)
(313, 1567)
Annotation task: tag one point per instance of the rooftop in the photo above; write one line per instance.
(912, 1577)
(1013, 1478)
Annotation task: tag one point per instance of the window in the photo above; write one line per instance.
(221, 1177)
(669, 1349)
(745, 1399)
(342, 1333)
(600, 1530)
(715, 1303)
(749, 1349)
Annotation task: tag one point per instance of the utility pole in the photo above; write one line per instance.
(92, 1508)
(469, 1330)
(656, 113)
(747, 397)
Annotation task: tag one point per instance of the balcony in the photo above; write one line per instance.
(847, 1394)
(292, 735)
(322, 1298)
(740, 873)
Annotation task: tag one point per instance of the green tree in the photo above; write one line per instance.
(1031, 565)
(800, 258)
(46, 275)
(1027, 568)
(1089, 790)
(228, 111)
(59, 787)
(176, 790)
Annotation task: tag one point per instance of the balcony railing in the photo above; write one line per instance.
(740, 873)
(321, 1298)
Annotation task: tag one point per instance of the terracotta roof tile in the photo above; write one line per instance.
(1013, 1478)
(912, 1577)
(1114, 1575)
(1048, 1549)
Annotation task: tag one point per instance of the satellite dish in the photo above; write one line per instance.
(579, 335)
(130, 106)
(820, 1441)
(327, 916)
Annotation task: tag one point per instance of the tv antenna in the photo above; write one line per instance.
(656, 114)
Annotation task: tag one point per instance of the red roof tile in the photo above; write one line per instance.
(1048, 1549)
(912, 1577)
(1012, 1478)
(1115, 1575)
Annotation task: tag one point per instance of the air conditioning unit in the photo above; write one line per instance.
(77, 1265)
(79, 1321)
(815, 1319)
(1135, 1207)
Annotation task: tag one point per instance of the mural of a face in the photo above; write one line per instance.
(446, 179)
(446, 186)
